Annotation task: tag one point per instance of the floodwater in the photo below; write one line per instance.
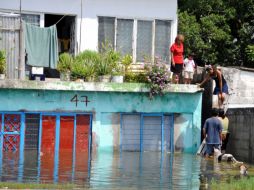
(114, 170)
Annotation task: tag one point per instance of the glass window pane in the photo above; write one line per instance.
(124, 36)
(162, 39)
(106, 31)
(144, 39)
(32, 19)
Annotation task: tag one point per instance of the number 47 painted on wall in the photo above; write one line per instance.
(76, 99)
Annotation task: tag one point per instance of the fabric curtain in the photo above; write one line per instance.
(41, 46)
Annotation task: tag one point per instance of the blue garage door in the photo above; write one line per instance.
(147, 132)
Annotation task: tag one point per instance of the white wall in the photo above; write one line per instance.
(141, 9)
(241, 89)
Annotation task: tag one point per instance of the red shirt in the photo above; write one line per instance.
(177, 51)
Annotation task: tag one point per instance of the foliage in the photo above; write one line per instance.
(250, 53)
(65, 62)
(135, 77)
(236, 184)
(218, 31)
(157, 77)
(126, 61)
(2, 62)
(85, 64)
(109, 60)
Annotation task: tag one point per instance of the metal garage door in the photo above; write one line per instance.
(147, 132)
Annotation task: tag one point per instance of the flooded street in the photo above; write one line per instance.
(126, 170)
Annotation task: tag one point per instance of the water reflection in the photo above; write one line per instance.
(108, 170)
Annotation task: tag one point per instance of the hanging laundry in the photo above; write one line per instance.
(41, 46)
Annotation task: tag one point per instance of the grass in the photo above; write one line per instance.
(13, 185)
(234, 184)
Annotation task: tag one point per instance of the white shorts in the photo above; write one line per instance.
(188, 75)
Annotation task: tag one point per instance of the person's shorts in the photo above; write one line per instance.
(177, 69)
(224, 89)
(209, 148)
(188, 75)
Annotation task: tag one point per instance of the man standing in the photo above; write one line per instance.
(212, 132)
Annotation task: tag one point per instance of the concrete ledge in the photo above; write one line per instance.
(92, 86)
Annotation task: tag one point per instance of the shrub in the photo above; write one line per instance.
(2, 62)
(85, 64)
(65, 63)
(157, 77)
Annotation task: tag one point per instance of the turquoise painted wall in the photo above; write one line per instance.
(103, 104)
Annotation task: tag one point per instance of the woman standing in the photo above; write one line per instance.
(177, 58)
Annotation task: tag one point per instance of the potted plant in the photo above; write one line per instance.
(126, 62)
(109, 61)
(2, 64)
(84, 65)
(64, 65)
(157, 77)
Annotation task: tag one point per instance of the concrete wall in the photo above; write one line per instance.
(91, 9)
(241, 141)
(241, 89)
(106, 102)
(240, 111)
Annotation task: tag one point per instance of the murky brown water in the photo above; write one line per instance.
(126, 170)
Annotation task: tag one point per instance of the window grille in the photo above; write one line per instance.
(106, 31)
(124, 36)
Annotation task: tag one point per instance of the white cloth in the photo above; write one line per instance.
(189, 65)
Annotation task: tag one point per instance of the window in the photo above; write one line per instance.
(32, 19)
(106, 31)
(140, 38)
(144, 39)
(124, 35)
(162, 39)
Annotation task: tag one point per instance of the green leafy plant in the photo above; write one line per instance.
(65, 63)
(157, 77)
(85, 64)
(109, 61)
(250, 52)
(135, 77)
(2, 62)
(126, 62)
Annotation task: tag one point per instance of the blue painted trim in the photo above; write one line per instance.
(1, 143)
(39, 149)
(57, 142)
(121, 133)
(21, 147)
(74, 149)
(162, 133)
(141, 132)
(172, 135)
(152, 114)
(90, 145)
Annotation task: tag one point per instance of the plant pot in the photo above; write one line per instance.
(104, 78)
(117, 79)
(65, 76)
(2, 76)
(90, 79)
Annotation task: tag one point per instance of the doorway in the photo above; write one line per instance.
(66, 37)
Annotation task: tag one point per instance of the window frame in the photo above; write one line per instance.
(135, 33)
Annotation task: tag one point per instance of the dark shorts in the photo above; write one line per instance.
(209, 148)
(177, 69)
(224, 89)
